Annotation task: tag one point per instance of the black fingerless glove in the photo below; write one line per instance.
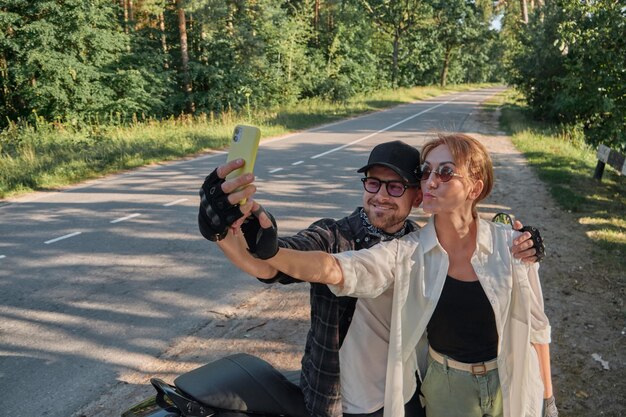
(262, 243)
(216, 214)
(549, 407)
(540, 250)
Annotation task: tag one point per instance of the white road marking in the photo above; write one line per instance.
(47, 242)
(2, 256)
(121, 219)
(297, 163)
(171, 203)
(382, 130)
(276, 170)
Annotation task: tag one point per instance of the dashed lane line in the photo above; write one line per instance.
(121, 219)
(171, 203)
(47, 242)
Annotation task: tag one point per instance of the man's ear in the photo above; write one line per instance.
(476, 189)
(418, 198)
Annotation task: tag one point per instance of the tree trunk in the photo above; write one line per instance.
(131, 15)
(394, 60)
(4, 73)
(194, 45)
(446, 65)
(163, 40)
(331, 22)
(125, 9)
(524, 8)
(230, 26)
(184, 54)
(290, 60)
(202, 48)
(316, 16)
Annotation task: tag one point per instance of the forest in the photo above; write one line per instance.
(84, 65)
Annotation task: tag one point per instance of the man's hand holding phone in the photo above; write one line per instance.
(224, 193)
(238, 188)
(219, 198)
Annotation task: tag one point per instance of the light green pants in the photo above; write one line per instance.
(450, 392)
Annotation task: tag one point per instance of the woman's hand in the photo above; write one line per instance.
(549, 407)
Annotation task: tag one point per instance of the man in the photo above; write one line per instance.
(344, 362)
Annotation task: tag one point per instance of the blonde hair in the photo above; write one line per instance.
(469, 155)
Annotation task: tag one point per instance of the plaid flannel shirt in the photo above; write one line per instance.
(330, 315)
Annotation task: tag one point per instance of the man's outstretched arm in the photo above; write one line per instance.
(235, 248)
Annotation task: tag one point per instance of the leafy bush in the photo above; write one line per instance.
(570, 67)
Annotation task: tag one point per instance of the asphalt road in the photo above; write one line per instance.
(99, 278)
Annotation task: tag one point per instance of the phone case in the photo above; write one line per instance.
(244, 145)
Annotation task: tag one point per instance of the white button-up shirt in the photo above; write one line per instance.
(417, 265)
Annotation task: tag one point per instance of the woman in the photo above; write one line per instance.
(465, 312)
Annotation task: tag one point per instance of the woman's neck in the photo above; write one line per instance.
(456, 230)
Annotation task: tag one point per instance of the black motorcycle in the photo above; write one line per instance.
(238, 385)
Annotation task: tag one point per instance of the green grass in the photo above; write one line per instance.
(566, 164)
(48, 156)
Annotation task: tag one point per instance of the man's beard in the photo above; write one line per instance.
(389, 222)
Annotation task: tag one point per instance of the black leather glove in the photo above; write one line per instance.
(540, 250)
(262, 243)
(549, 407)
(216, 214)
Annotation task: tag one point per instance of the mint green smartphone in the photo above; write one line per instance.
(244, 144)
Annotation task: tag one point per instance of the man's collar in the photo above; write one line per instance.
(381, 234)
(375, 231)
(360, 232)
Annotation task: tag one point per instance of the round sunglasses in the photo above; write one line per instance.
(443, 172)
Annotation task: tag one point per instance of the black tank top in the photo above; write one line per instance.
(463, 325)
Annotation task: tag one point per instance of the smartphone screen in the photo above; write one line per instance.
(244, 144)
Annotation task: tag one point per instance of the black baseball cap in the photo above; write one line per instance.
(404, 159)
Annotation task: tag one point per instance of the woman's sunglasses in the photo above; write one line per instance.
(443, 172)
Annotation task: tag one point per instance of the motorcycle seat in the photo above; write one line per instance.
(243, 383)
